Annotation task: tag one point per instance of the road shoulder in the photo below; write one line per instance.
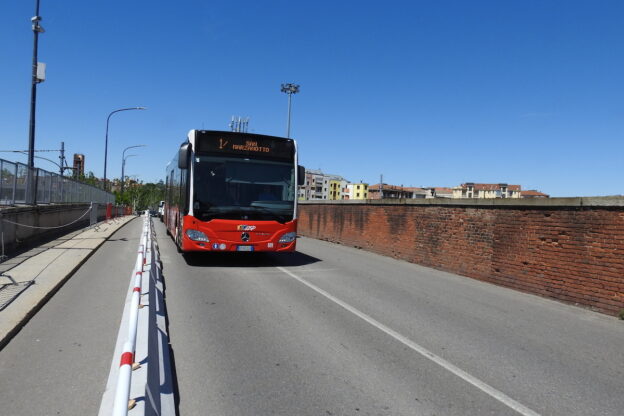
(48, 271)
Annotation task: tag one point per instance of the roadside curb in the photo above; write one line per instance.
(17, 314)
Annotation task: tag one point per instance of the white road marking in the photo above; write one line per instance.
(486, 388)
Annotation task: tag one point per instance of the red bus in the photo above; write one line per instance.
(233, 191)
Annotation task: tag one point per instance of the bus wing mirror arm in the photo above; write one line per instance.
(300, 175)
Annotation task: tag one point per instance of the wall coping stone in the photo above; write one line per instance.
(574, 202)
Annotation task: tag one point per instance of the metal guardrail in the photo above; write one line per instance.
(141, 377)
(49, 187)
(127, 364)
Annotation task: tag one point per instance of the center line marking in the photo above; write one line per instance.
(486, 388)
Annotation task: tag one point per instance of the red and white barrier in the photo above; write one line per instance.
(122, 402)
(122, 394)
(134, 389)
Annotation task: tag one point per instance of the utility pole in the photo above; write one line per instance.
(37, 76)
(36, 28)
(62, 158)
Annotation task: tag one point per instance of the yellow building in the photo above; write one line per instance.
(334, 190)
(358, 190)
(338, 190)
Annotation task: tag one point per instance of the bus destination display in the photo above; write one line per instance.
(244, 145)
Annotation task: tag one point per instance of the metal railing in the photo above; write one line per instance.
(49, 187)
(140, 381)
(122, 402)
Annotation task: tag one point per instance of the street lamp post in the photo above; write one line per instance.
(123, 162)
(106, 142)
(289, 89)
(123, 167)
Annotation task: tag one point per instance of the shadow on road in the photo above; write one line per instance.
(121, 239)
(248, 259)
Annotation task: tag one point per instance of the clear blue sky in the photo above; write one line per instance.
(427, 93)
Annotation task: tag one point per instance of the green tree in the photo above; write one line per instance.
(89, 179)
(141, 196)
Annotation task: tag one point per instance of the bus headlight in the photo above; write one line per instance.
(288, 238)
(196, 235)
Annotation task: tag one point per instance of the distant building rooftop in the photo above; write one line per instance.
(533, 194)
(489, 186)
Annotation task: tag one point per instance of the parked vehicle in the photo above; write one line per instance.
(161, 209)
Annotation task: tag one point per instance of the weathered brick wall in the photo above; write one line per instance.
(567, 249)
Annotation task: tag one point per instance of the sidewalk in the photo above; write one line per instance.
(28, 281)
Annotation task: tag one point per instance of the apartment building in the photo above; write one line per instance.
(386, 191)
(338, 189)
(486, 190)
(322, 186)
(317, 185)
(358, 190)
(439, 192)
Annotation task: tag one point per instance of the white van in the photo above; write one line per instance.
(161, 209)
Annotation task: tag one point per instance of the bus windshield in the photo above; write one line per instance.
(241, 188)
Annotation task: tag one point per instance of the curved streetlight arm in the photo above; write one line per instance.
(124, 109)
(123, 162)
(106, 141)
(131, 147)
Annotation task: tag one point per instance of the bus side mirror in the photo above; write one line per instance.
(183, 156)
(300, 175)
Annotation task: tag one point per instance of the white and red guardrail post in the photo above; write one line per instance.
(142, 338)
(122, 402)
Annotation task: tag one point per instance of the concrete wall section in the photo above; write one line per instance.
(41, 223)
(568, 249)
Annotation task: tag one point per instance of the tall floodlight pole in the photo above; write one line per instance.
(123, 162)
(289, 89)
(106, 142)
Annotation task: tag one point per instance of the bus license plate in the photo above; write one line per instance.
(244, 248)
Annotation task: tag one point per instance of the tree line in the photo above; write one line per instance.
(140, 196)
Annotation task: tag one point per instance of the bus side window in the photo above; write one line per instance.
(184, 189)
(171, 194)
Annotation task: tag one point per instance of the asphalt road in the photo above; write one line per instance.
(58, 364)
(333, 330)
(329, 330)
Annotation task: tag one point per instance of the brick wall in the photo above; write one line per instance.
(570, 249)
